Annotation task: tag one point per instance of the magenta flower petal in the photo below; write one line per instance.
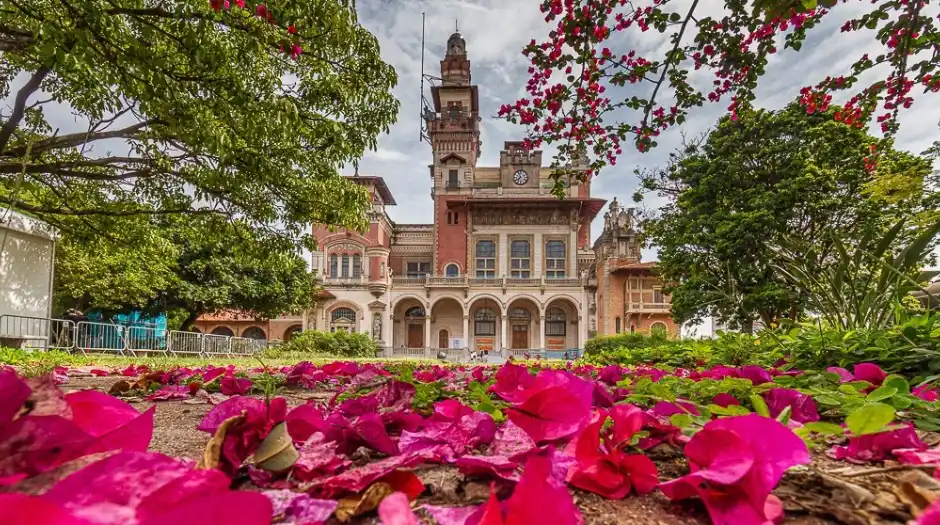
(931, 515)
(451, 515)
(511, 382)
(914, 456)
(304, 421)
(20, 509)
(511, 441)
(926, 393)
(117, 424)
(870, 372)
(540, 498)
(231, 407)
(802, 407)
(33, 444)
(215, 508)
(876, 447)
(844, 375)
(13, 393)
(551, 414)
(395, 510)
(300, 509)
(235, 386)
(725, 400)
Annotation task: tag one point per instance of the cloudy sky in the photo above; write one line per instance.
(497, 30)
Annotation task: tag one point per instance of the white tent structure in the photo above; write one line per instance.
(27, 267)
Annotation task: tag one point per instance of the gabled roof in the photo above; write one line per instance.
(449, 156)
(379, 184)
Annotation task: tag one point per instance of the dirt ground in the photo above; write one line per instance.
(825, 493)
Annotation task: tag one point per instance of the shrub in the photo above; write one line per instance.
(339, 344)
(612, 343)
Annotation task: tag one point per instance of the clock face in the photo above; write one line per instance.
(520, 177)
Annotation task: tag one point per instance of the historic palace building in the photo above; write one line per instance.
(503, 265)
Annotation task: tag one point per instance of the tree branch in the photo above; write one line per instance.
(19, 106)
(105, 213)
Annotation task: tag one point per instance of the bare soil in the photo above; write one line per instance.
(825, 493)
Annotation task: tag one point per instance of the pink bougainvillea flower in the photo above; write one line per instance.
(395, 510)
(300, 509)
(495, 466)
(97, 372)
(735, 463)
(876, 447)
(611, 374)
(926, 393)
(603, 467)
(13, 394)
(931, 515)
(318, 458)
(359, 478)
(756, 374)
(511, 382)
(556, 405)
(242, 439)
(116, 424)
(511, 441)
(844, 375)
(168, 392)
(681, 406)
(869, 372)
(915, 456)
(304, 421)
(802, 407)
(540, 497)
(20, 509)
(139, 488)
(235, 386)
(453, 424)
(725, 399)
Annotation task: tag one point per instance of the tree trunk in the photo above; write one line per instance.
(190, 320)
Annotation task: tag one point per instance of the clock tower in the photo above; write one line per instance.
(454, 132)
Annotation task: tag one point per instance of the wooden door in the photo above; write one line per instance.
(415, 335)
(443, 339)
(520, 336)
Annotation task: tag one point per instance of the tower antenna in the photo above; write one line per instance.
(428, 114)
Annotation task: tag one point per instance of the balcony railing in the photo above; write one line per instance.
(650, 307)
(439, 281)
(517, 281)
(330, 280)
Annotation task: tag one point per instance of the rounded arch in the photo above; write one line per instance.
(526, 297)
(291, 331)
(477, 299)
(343, 304)
(659, 326)
(452, 269)
(448, 297)
(408, 296)
(563, 301)
(223, 330)
(255, 332)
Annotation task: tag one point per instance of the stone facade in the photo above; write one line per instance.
(504, 264)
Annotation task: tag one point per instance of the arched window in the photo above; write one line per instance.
(415, 312)
(555, 264)
(520, 313)
(520, 260)
(343, 319)
(452, 270)
(454, 112)
(345, 266)
(484, 322)
(443, 339)
(356, 266)
(255, 333)
(617, 325)
(291, 332)
(334, 266)
(486, 259)
(659, 327)
(556, 322)
(223, 330)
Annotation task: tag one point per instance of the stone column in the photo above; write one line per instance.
(466, 331)
(389, 331)
(540, 321)
(503, 256)
(427, 332)
(537, 249)
(573, 254)
(503, 325)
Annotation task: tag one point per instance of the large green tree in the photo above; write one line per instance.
(192, 107)
(194, 265)
(757, 180)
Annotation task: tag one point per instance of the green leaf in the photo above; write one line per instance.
(882, 393)
(870, 419)
(681, 420)
(822, 427)
(808, 4)
(899, 383)
(759, 405)
(784, 416)
(827, 400)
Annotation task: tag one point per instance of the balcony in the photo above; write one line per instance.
(453, 185)
(344, 281)
(652, 308)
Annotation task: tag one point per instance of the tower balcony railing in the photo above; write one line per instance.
(650, 307)
(340, 280)
(463, 281)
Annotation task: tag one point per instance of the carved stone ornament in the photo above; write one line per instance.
(531, 217)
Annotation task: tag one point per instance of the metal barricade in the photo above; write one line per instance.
(142, 339)
(419, 353)
(184, 342)
(38, 333)
(245, 346)
(100, 337)
(216, 344)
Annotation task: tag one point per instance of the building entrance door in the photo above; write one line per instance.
(520, 336)
(415, 336)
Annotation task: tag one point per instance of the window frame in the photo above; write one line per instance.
(483, 272)
(334, 265)
(520, 267)
(344, 269)
(550, 268)
(556, 325)
(485, 318)
(447, 268)
(356, 270)
(422, 271)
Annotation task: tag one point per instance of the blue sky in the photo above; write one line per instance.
(497, 30)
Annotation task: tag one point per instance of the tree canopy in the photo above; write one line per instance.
(757, 180)
(190, 108)
(588, 87)
(196, 264)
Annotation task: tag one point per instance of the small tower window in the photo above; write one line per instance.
(456, 215)
(448, 218)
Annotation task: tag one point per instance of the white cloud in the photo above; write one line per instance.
(496, 31)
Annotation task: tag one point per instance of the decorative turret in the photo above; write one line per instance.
(455, 68)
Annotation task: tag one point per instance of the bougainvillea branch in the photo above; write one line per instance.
(585, 95)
